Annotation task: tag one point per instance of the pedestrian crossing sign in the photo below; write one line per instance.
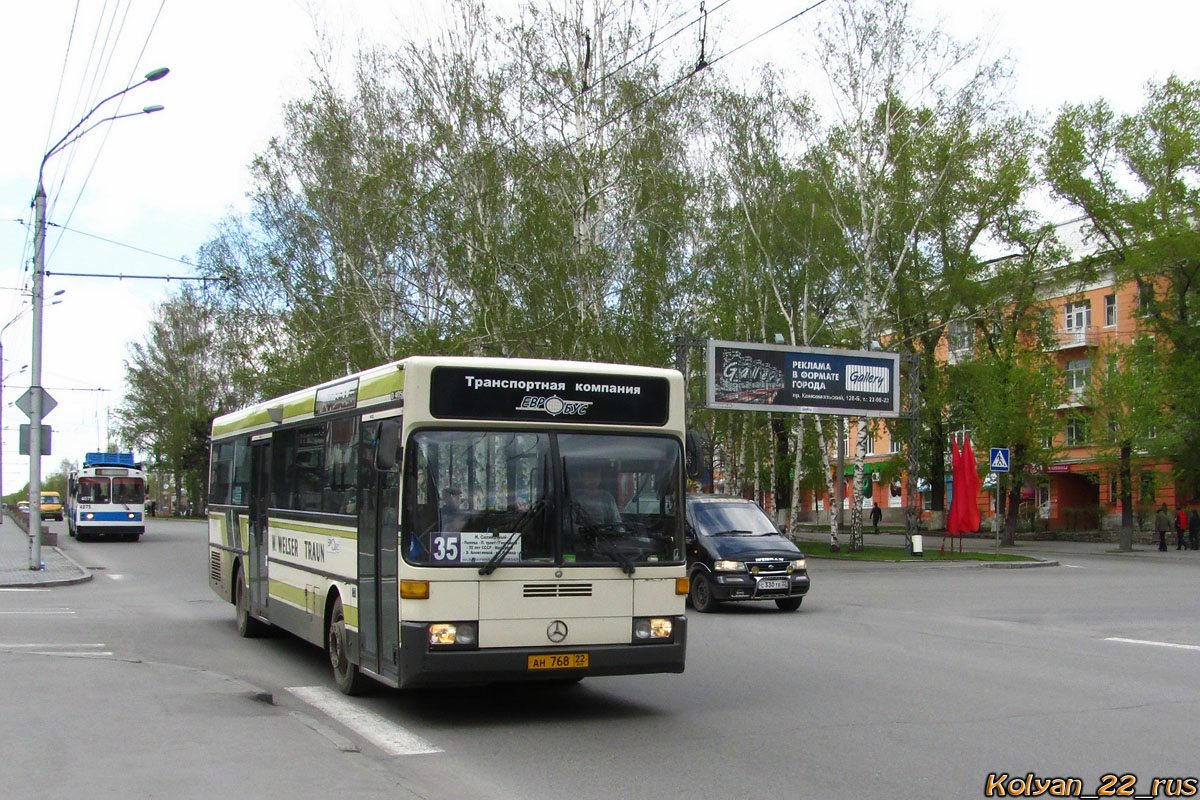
(999, 460)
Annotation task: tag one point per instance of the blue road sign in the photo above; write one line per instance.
(998, 462)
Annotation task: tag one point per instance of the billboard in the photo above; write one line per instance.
(810, 380)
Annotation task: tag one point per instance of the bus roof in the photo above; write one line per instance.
(384, 385)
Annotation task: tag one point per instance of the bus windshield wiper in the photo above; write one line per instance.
(611, 549)
(494, 561)
(602, 541)
(518, 528)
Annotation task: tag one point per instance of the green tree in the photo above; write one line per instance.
(908, 100)
(176, 387)
(1136, 177)
(1128, 401)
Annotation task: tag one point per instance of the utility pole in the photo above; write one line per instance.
(35, 379)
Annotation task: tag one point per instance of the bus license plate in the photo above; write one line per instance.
(559, 661)
(767, 584)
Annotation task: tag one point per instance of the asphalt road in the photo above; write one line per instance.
(896, 681)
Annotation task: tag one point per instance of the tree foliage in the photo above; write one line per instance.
(569, 183)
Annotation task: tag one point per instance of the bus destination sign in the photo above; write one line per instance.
(763, 377)
(555, 397)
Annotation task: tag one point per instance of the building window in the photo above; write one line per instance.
(1148, 487)
(1076, 431)
(894, 445)
(1079, 371)
(1110, 311)
(960, 336)
(1145, 296)
(1078, 316)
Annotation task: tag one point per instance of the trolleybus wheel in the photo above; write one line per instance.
(345, 674)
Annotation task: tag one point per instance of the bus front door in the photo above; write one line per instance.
(378, 544)
(260, 472)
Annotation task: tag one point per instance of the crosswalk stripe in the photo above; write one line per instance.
(384, 734)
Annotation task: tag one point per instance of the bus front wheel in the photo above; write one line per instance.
(248, 627)
(345, 674)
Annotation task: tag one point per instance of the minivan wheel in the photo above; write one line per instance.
(701, 594)
(788, 603)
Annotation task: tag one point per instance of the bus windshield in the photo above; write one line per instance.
(93, 490)
(522, 497)
(128, 490)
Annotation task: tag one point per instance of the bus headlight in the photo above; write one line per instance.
(131, 515)
(89, 515)
(650, 629)
(729, 566)
(453, 634)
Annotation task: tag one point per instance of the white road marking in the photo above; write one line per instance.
(58, 648)
(1154, 644)
(50, 612)
(384, 734)
(27, 645)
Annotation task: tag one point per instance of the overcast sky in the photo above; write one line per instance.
(161, 182)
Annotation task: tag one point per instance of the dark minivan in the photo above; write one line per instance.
(735, 552)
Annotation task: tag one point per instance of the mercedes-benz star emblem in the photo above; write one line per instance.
(557, 631)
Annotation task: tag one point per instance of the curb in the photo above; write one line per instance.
(1021, 564)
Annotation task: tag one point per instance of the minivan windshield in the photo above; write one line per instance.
(499, 498)
(730, 518)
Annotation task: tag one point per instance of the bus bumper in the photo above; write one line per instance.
(420, 665)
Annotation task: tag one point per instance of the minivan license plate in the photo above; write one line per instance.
(767, 584)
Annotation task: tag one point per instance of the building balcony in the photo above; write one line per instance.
(1070, 338)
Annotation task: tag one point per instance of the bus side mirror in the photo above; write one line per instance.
(387, 447)
(694, 452)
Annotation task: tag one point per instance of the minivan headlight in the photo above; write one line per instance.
(729, 566)
(798, 564)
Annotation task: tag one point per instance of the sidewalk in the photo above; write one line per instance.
(1048, 549)
(14, 561)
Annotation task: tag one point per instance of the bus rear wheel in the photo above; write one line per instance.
(345, 674)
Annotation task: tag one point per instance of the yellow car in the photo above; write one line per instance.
(52, 506)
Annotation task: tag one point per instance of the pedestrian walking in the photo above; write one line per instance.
(1194, 529)
(1162, 523)
(876, 515)
(1181, 527)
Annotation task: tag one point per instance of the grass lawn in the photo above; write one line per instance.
(884, 553)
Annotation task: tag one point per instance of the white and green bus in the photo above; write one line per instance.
(460, 520)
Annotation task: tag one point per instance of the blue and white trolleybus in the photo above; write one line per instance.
(107, 497)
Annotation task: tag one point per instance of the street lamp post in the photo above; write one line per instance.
(39, 266)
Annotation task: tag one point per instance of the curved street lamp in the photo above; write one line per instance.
(36, 393)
